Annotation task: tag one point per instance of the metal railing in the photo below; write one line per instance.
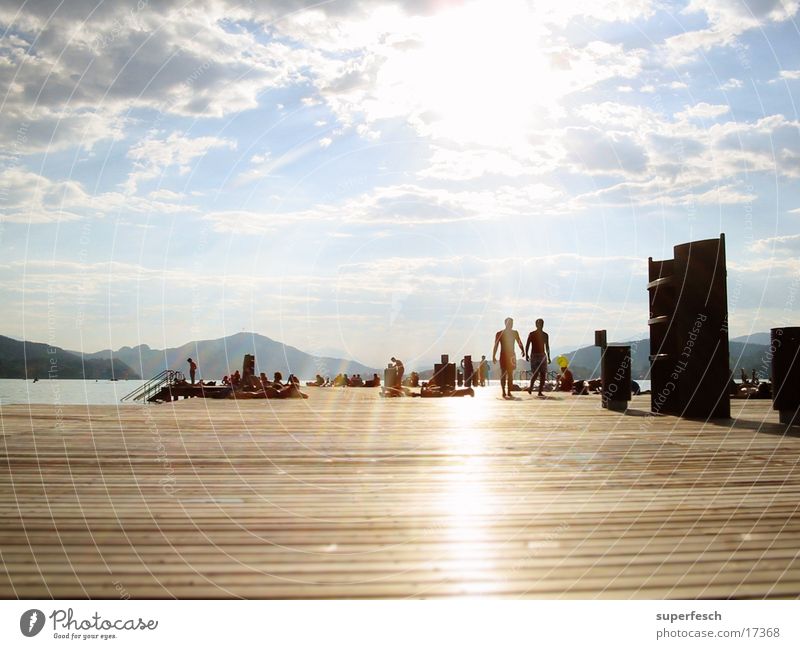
(153, 386)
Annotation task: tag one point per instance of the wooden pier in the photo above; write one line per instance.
(348, 495)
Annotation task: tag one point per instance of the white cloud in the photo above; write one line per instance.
(154, 155)
(74, 71)
(731, 84)
(781, 245)
(32, 198)
(727, 19)
(703, 111)
(595, 150)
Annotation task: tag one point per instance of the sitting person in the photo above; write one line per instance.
(318, 382)
(276, 389)
(374, 382)
(431, 390)
(434, 391)
(340, 381)
(594, 385)
(236, 379)
(226, 380)
(565, 380)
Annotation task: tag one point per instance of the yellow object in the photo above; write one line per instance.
(562, 361)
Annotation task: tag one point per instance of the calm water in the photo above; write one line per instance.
(85, 392)
(64, 391)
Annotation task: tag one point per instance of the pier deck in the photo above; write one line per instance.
(349, 495)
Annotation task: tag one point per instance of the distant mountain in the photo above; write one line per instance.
(216, 358)
(585, 362)
(29, 360)
(760, 338)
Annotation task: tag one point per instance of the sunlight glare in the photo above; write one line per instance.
(479, 75)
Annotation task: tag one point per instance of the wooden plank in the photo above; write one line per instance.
(349, 495)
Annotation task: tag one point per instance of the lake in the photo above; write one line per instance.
(64, 391)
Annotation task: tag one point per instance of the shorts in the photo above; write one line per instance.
(508, 363)
(538, 363)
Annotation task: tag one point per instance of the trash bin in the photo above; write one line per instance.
(615, 373)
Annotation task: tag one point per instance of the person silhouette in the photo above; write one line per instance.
(483, 370)
(539, 344)
(505, 339)
(400, 368)
(192, 369)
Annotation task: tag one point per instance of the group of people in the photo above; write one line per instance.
(344, 381)
(536, 351)
(255, 387)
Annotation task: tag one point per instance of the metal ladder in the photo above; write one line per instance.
(152, 387)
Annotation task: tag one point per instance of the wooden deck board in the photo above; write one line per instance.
(349, 495)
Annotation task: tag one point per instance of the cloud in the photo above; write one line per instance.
(34, 199)
(731, 84)
(782, 245)
(153, 155)
(726, 21)
(73, 72)
(594, 150)
(242, 221)
(703, 111)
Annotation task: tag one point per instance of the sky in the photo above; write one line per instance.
(372, 179)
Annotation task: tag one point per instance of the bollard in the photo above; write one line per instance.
(615, 373)
(785, 375)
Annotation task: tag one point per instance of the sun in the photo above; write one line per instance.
(477, 76)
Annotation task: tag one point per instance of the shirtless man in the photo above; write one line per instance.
(505, 340)
(398, 365)
(539, 344)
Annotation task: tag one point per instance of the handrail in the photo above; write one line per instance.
(146, 390)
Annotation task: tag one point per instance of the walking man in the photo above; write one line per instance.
(505, 340)
(484, 371)
(539, 344)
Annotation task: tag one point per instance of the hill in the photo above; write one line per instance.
(28, 360)
(216, 358)
(585, 362)
(759, 338)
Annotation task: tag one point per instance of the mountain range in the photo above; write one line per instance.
(28, 360)
(221, 356)
(216, 358)
(585, 362)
